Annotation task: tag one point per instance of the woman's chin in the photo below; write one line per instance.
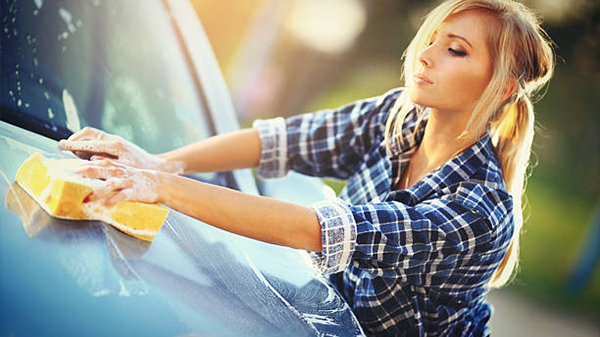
(417, 97)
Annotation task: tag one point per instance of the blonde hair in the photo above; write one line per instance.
(522, 57)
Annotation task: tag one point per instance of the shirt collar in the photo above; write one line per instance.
(458, 169)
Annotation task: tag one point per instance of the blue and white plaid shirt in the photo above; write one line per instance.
(410, 262)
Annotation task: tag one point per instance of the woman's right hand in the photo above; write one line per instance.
(94, 144)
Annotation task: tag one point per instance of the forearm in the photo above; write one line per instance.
(256, 217)
(236, 150)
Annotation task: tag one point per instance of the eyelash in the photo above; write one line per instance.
(454, 52)
(457, 52)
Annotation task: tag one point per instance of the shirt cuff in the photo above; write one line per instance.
(273, 161)
(338, 237)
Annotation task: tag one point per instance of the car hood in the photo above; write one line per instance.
(65, 277)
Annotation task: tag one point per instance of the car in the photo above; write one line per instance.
(142, 69)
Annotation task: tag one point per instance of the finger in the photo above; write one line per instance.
(86, 133)
(111, 147)
(117, 198)
(103, 156)
(108, 188)
(101, 169)
(92, 171)
(109, 163)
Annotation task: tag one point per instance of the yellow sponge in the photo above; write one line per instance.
(61, 193)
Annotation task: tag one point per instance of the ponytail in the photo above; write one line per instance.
(512, 136)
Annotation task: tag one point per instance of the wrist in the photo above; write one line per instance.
(163, 181)
(164, 164)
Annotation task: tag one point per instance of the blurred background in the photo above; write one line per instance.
(281, 58)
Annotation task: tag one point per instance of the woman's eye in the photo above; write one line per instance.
(457, 52)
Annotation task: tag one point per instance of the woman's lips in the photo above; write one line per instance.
(420, 79)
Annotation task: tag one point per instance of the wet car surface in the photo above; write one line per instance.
(63, 69)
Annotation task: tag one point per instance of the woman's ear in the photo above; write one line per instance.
(509, 89)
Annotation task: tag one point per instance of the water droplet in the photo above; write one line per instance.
(10, 93)
(46, 95)
(39, 3)
(41, 80)
(27, 105)
(35, 61)
(65, 15)
(19, 103)
(50, 113)
(73, 123)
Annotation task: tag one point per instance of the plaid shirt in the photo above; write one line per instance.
(410, 262)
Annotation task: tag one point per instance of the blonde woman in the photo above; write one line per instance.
(431, 215)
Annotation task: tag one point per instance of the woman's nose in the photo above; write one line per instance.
(424, 57)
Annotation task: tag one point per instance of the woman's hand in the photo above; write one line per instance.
(95, 144)
(121, 183)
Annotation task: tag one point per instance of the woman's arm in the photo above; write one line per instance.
(240, 149)
(256, 217)
(235, 150)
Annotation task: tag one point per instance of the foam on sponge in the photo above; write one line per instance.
(61, 193)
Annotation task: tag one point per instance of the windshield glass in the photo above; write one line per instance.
(115, 65)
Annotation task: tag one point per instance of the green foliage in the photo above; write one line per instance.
(551, 242)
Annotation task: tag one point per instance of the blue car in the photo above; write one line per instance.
(142, 69)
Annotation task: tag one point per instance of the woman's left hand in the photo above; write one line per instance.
(121, 183)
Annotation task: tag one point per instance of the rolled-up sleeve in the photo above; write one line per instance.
(392, 239)
(338, 236)
(273, 161)
(327, 143)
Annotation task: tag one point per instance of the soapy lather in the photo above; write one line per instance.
(61, 193)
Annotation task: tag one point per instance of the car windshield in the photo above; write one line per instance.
(114, 65)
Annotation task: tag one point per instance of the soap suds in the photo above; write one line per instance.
(274, 291)
(63, 169)
(101, 292)
(123, 292)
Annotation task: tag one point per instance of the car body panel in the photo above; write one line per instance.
(72, 278)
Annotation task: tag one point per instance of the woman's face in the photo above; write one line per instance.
(456, 67)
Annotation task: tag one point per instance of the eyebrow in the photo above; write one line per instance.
(460, 37)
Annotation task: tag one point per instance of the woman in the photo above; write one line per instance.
(431, 215)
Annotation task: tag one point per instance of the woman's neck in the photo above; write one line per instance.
(441, 139)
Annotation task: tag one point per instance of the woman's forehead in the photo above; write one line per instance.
(472, 25)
